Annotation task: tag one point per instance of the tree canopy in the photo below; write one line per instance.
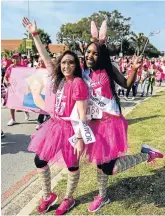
(119, 34)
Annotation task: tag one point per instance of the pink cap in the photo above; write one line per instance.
(15, 55)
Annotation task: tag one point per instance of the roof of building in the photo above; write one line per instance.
(14, 44)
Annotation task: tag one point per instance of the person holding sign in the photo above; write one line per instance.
(108, 123)
(16, 64)
(62, 136)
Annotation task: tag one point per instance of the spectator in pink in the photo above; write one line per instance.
(16, 59)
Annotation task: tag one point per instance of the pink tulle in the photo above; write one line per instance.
(51, 143)
(111, 139)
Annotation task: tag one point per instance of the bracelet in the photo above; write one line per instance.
(79, 138)
(34, 34)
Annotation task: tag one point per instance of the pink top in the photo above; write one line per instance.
(5, 63)
(101, 81)
(24, 63)
(74, 90)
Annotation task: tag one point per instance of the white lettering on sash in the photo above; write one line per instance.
(86, 132)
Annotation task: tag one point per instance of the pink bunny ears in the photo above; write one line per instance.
(101, 34)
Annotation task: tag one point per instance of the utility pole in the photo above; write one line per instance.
(28, 32)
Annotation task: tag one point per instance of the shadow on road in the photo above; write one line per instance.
(14, 143)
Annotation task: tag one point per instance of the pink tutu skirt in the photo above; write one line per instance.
(51, 143)
(111, 139)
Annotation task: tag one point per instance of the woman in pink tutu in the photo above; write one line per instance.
(108, 123)
(58, 138)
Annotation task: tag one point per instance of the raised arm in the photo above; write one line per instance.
(32, 29)
(121, 80)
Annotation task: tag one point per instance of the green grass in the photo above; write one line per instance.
(139, 190)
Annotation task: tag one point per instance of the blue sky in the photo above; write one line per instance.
(146, 16)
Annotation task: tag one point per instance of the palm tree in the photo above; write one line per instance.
(138, 41)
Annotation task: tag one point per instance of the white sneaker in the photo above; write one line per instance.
(11, 122)
(27, 116)
(37, 126)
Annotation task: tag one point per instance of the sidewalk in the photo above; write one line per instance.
(23, 201)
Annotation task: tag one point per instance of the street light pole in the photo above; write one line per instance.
(153, 33)
(28, 32)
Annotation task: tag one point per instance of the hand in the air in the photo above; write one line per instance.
(31, 28)
(137, 61)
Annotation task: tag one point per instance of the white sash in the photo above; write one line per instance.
(59, 95)
(86, 132)
(99, 102)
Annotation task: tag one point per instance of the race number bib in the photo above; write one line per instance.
(94, 112)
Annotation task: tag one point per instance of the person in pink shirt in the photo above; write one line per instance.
(108, 124)
(51, 142)
(5, 63)
(16, 59)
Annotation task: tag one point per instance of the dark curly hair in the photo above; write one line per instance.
(104, 62)
(57, 74)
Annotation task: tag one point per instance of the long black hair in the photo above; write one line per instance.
(104, 62)
(57, 74)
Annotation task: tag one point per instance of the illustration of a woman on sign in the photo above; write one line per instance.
(35, 90)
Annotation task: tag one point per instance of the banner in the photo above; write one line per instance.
(28, 44)
(30, 90)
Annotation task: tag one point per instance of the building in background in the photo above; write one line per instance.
(12, 45)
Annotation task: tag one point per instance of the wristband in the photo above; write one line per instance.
(34, 34)
(79, 138)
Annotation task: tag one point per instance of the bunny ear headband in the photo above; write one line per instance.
(101, 34)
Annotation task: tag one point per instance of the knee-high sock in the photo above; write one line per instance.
(45, 178)
(73, 179)
(128, 161)
(102, 180)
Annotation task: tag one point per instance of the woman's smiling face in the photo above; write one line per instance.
(91, 56)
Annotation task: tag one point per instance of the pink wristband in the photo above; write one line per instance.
(34, 34)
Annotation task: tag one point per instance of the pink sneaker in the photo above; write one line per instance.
(153, 153)
(45, 204)
(98, 203)
(65, 206)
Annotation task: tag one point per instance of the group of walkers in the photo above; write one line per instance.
(87, 120)
(151, 73)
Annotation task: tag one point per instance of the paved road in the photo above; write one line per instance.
(16, 161)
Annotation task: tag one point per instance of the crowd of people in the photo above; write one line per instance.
(85, 93)
(150, 74)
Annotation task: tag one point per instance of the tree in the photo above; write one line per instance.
(22, 47)
(8, 53)
(76, 35)
(152, 51)
(138, 41)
